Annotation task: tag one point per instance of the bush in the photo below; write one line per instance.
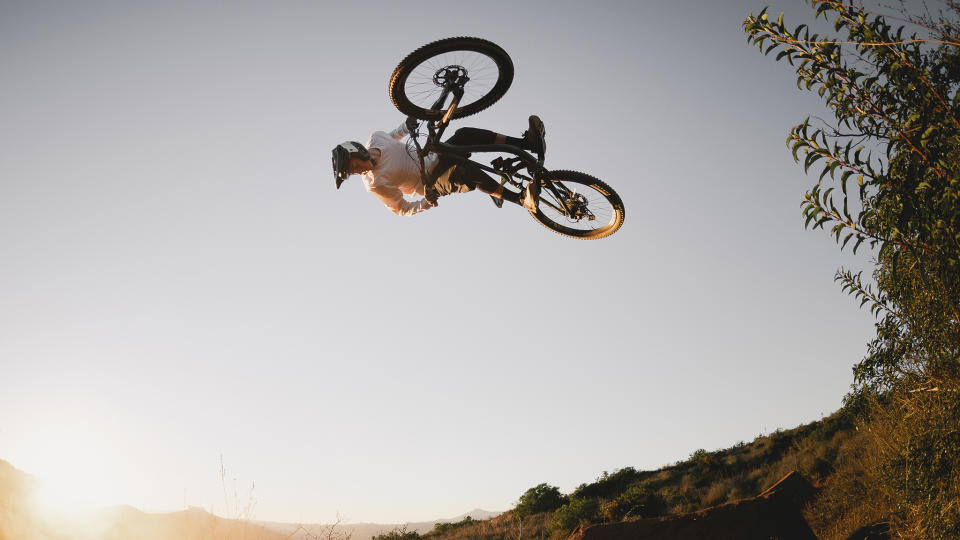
(541, 498)
(607, 485)
(400, 533)
(706, 462)
(636, 501)
(578, 511)
(440, 528)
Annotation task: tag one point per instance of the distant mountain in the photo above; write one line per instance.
(21, 519)
(14, 483)
(17, 516)
(120, 523)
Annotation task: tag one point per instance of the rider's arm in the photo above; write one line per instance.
(400, 132)
(393, 199)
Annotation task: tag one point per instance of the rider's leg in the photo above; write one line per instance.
(475, 178)
(532, 141)
(529, 199)
(468, 135)
(495, 189)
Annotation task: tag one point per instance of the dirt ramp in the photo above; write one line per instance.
(775, 513)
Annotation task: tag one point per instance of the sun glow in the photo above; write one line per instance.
(73, 475)
(72, 504)
(67, 498)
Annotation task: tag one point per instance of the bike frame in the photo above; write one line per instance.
(507, 169)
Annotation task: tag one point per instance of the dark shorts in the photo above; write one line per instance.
(453, 179)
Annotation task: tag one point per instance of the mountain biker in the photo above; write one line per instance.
(391, 169)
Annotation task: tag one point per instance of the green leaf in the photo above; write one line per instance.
(845, 240)
(857, 245)
(812, 158)
(843, 181)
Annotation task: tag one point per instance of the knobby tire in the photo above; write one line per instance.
(412, 96)
(604, 202)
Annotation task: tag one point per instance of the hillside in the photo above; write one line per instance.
(827, 453)
(22, 519)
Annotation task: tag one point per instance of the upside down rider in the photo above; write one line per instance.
(391, 169)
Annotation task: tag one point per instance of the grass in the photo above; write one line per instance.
(829, 452)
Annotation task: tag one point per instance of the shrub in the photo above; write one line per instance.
(440, 528)
(400, 533)
(578, 511)
(636, 501)
(541, 498)
(609, 485)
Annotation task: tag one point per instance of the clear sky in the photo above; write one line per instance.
(179, 279)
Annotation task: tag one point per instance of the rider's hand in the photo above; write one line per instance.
(430, 196)
(412, 124)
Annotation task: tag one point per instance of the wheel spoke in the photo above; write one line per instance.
(483, 71)
(420, 78)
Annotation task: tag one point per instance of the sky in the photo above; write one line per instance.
(181, 283)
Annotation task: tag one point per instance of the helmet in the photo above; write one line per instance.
(342, 154)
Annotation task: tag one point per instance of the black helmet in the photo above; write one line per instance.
(341, 159)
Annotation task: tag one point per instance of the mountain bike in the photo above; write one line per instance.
(459, 76)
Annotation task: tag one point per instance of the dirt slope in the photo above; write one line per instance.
(775, 513)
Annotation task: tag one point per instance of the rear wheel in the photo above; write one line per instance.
(418, 81)
(579, 205)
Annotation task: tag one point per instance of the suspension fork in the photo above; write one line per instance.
(561, 193)
(453, 81)
(441, 125)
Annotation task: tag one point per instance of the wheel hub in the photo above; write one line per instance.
(449, 76)
(577, 207)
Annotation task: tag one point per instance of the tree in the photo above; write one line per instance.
(890, 177)
(541, 498)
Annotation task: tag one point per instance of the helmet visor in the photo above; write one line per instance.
(341, 165)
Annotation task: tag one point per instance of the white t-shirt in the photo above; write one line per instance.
(397, 173)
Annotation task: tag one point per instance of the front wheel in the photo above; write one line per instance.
(579, 205)
(481, 67)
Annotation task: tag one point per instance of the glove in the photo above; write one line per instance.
(412, 124)
(430, 195)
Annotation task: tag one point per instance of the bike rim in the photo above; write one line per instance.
(603, 212)
(421, 86)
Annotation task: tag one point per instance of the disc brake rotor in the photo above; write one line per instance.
(450, 75)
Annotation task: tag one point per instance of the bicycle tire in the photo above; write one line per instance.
(604, 203)
(410, 89)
